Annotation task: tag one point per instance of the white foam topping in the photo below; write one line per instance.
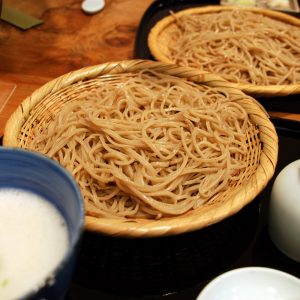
(33, 241)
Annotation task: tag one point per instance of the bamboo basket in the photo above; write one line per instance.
(159, 39)
(262, 143)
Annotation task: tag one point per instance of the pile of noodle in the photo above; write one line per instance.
(241, 46)
(149, 146)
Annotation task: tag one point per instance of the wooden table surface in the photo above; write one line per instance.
(68, 39)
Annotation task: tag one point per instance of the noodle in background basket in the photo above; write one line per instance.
(241, 46)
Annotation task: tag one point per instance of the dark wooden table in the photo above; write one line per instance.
(68, 39)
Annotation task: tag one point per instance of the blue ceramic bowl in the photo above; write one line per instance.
(39, 174)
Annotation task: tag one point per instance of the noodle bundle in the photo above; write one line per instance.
(242, 46)
(150, 146)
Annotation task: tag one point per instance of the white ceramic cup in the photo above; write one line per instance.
(252, 283)
(284, 211)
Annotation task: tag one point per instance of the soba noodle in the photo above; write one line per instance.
(241, 46)
(150, 146)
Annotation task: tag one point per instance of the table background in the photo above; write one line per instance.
(68, 40)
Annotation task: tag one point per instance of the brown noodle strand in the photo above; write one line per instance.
(150, 146)
(242, 46)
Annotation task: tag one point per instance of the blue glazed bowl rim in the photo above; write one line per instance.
(80, 225)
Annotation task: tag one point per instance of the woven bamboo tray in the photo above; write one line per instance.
(262, 143)
(159, 37)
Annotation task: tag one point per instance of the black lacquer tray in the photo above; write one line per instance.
(161, 8)
(178, 267)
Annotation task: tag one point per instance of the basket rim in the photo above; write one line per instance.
(178, 224)
(261, 90)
